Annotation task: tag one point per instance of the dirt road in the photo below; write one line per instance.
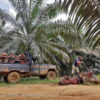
(50, 92)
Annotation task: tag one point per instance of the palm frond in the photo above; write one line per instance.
(10, 47)
(19, 5)
(46, 12)
(67, 31)
(84, 13)
(4, 16)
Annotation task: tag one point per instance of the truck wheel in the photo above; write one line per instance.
(13, 77)
(51, 75)
(42, 77)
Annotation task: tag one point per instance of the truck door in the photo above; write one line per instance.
(35, 69)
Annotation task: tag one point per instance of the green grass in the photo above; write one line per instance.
(36, 80)
(3, 84)
(30, 80)
(98, 76)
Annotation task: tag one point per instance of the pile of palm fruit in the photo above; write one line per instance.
(84, 77)
(5, 58)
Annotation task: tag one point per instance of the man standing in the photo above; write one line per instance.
(77, 63)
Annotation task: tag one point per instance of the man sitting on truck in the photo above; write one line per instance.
(29, 57)
(77, 62)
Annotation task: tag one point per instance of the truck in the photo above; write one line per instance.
(13, 72)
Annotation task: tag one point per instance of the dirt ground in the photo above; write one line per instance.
(50, 92)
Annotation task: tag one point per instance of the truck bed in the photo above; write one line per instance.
(14, 67)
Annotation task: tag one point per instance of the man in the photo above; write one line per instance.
(77, 63)
(29, 57)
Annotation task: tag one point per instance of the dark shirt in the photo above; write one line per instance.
(29, 57)
(76, 62)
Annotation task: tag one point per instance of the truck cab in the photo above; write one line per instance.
(44, 71)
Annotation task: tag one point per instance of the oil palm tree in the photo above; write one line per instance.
(33, 30)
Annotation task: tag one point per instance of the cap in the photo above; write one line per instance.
(80, 57)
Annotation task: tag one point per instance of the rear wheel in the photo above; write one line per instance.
(51, 75)
(13, 77)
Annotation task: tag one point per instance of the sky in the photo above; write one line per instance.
(4, 4)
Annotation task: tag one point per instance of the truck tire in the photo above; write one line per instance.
(13, 77)
(51, 75)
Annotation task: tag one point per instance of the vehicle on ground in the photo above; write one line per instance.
(13, 72)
